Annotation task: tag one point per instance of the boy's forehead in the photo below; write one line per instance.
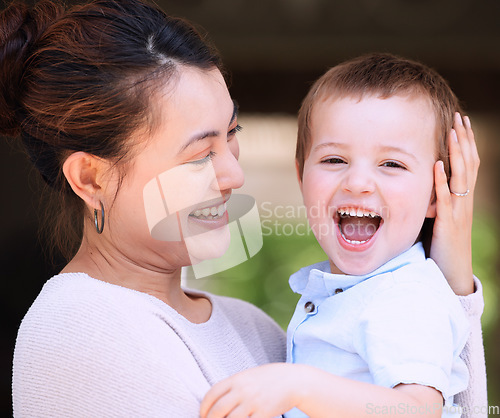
(334, 103)
(327, 108)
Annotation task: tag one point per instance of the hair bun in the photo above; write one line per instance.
(21, 26)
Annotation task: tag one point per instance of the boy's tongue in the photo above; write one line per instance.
(358, 228)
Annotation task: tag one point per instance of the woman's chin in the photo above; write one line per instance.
(208, 245)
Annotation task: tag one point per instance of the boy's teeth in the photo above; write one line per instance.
(205, 212)
(197, 212)
(358, 212)
(221, 209)
(352, 241)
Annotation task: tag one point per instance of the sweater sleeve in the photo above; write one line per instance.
(474, 398)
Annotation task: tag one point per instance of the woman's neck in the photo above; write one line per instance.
(112, 266)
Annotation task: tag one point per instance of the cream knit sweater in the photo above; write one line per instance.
(87, 348)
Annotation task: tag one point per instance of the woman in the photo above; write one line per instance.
(125, 113)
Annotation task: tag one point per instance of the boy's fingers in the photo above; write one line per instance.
(212, 396)
(224, 406)
(458, 180)
(240, 412)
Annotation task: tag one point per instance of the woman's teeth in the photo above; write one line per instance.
(211, 212)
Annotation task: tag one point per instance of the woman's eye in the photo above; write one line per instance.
(204, 160)
(393, 164)
(333, 160)
(233, 131)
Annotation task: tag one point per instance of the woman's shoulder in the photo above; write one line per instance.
(77, 294)
(79, 318)
(107, 347)
(75, 306)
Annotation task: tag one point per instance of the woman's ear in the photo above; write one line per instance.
(84, 173)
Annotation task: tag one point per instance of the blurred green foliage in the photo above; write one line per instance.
(263, 281)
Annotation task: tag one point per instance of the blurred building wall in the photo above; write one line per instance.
(274, 50)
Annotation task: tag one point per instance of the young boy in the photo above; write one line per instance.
(377, 329)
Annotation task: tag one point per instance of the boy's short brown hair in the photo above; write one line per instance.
(383, 75)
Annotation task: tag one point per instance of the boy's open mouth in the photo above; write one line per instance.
(357, 225)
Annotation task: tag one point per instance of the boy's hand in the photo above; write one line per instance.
(451, 238)
(264, 391)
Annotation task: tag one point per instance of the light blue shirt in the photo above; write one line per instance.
(401, 323)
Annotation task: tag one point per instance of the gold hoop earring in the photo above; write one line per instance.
(98, 228)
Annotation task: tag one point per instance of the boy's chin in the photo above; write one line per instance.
(351, 269)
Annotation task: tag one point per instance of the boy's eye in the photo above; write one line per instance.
(393, 164)
(333, 160)
(204, 160)
(233, 131)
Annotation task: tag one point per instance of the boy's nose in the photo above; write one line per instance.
(358, 180)
(228, 172)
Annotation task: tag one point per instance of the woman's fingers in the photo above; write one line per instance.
(443, 197)
(471, 154)
(458, 181)
(468, 149)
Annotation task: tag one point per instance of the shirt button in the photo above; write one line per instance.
(309, 307)
(339, 290)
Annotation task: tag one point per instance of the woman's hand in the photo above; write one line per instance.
(451, 238)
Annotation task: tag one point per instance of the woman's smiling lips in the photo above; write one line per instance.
(210, 212)
(213, 214)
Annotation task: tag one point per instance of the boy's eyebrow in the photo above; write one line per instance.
(384, 148)
(398, 149)
(330, 144)
(209, 134)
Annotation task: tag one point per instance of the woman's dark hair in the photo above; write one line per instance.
(80, 80)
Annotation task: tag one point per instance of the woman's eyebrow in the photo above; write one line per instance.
(209, 134)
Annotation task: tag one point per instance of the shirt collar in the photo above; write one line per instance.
(318, 277)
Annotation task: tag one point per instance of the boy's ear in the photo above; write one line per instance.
(431, 209)
(297, 170)
(84, 174)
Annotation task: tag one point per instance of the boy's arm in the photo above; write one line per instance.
(274, 389)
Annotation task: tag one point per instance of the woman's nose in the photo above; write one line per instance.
(358, 180)
(228, 172)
